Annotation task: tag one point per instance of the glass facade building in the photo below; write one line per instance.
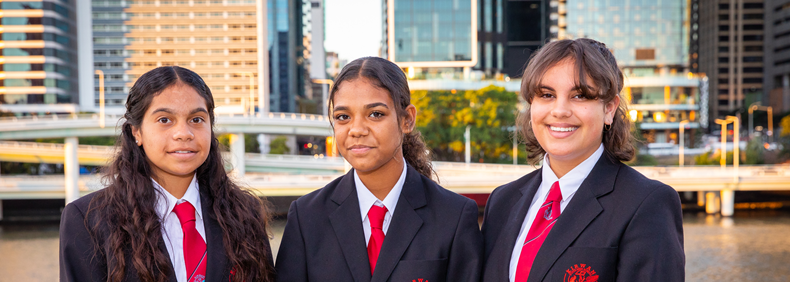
(38, 62)
(289, 44)
(639, 32)
(431, 33)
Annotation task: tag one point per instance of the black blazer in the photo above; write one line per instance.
(80, 259)
(433, 236)
(620, 224)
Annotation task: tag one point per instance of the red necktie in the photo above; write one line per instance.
(194, 246)
(547, 215)
(376, 217)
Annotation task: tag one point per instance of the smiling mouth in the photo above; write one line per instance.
(182, 152)
(563, 129)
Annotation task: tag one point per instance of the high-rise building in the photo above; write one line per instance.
(650, 40)
(289, 44)
(730, 36)
(38, 57)
(218, 39)
(431, 38)
(776, 81)
(508, 32)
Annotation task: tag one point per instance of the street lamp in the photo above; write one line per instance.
(323, 93)
(756, 106)
(735, 141)
(101, 98)
(252, 92)
(682, 142)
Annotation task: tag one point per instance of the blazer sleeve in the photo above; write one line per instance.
(466, 254)
(78, 260)
(291, 264)
(651, 248)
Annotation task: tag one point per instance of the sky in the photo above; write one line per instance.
(353, 28)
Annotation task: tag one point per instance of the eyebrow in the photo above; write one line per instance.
(368, 106)
(169, 111)
(575, 88)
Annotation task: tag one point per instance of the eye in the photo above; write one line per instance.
(545, 95)
(198, 119)
(163, 120)
(376, 114)
(341, 117)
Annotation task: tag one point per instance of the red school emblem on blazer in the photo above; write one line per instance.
(420, 280)
(580, 273)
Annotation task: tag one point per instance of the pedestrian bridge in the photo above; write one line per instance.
(83, 125)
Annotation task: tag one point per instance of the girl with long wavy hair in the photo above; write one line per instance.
(385, 220)
(169, 212)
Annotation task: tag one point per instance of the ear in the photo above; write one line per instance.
(610, 109)
(138, 136)
(410, 120)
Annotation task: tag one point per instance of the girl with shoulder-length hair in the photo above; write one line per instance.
(584, 215)
(169, 212)
(385, 220)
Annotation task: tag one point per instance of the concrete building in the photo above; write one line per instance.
(729, 41)
(218, 39)
(40, 67)
(776, 79)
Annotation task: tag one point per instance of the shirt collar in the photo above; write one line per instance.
(166, 202)
(572, 180)
(367, 199)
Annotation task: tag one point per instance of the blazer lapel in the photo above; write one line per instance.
(403, 227)
(506, 241)
(583, 208)
(217, 268)
(347, 224)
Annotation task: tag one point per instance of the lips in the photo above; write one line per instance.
(561, 130)
(183, 153)
(359, 149)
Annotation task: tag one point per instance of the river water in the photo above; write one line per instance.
(751, 246)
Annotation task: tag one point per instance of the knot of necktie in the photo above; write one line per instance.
(376, 216)
(555, 194)
(185, 212)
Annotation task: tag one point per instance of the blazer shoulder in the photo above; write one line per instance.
(437, 193)
(322, 194)
(640, 185)
(81, 205)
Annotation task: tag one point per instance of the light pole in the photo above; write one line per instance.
(101, 98)
(324, 97)
(252, 92)
(756, 106)
(735, 142)
(682, 142)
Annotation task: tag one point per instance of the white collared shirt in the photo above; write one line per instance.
(569, 184)
(367, 200)
(171, 226)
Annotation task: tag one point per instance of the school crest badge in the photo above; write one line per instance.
(580, 273)
(419, 280)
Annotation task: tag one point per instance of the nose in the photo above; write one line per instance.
(358, 128)
(561, 108)
(183, 132)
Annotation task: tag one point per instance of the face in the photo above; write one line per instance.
(368, 131)
(568, 125)
(175, 132)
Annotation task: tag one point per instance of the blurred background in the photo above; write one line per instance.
(707, 85)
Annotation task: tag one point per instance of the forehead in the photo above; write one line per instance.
(360, 91)
(565, 74)
(178, 97)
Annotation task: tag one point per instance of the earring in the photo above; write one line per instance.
(137, 141)
(606, 127)
(530, 123)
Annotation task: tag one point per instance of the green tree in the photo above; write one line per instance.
(442, 117)
(278, 146)
(251, 144)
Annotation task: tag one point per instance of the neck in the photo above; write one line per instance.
(562, 165)
(175, 185)
(381, 181)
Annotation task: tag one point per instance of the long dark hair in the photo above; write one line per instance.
(388, 76)
(593, 60)
(128, 203)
